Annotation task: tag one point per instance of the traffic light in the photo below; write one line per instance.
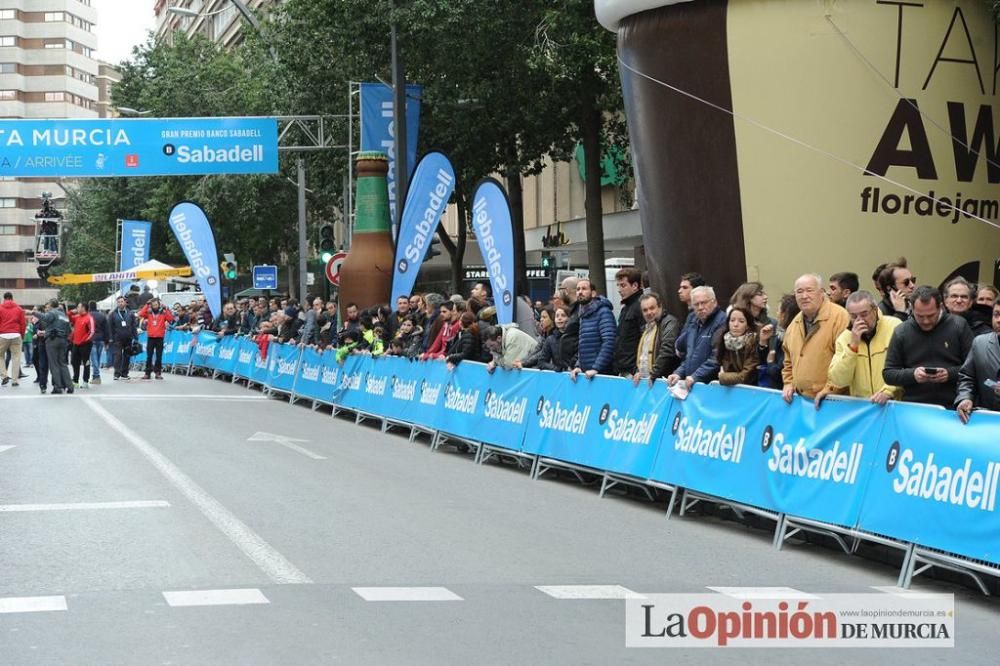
(229, 266)
(435, 248)
(327, 245)
(546, 260)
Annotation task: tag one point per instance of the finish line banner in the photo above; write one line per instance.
(95, 148)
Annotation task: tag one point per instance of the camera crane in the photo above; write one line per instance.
(48, 236)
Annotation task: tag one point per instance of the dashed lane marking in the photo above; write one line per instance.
(83, 506)
(763, 592)
(239, 597)
(32, 604)
(406, 594)
(588, 592)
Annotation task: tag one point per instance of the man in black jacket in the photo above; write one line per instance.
(656, 355)
(630, 321)
(927, 350)
(122, 323)
(57, 327)
(101, 337)
(570, 340)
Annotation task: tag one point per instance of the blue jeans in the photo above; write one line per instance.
(96, 356)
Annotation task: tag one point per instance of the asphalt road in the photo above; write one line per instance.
(160, 523)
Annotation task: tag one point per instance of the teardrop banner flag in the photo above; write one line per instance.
(492, 223)
(427, 198)
(194, 234)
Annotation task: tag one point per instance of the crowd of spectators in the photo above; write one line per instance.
(899, 341)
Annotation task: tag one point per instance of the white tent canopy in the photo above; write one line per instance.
(151, 265)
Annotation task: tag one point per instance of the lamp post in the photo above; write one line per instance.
(399, 120)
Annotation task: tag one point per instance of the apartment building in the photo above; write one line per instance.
(47, 70)
(219, 20)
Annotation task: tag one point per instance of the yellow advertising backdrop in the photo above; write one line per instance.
(838, 75)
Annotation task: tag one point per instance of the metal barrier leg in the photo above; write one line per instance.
(906, 570)
(604, 485)
(672, 502)
(779, 532)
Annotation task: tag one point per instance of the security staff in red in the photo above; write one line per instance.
(157, 317)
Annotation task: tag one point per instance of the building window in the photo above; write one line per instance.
(8, 67)
(7, 95)
(8, 202)
(8, 14)
(55, 45)
(55, 97)
(54, 16)
(8, 229)
(8, 40)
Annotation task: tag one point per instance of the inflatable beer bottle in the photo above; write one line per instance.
(366, 275)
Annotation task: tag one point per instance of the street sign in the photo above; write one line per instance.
(333, 268)
(265, 277)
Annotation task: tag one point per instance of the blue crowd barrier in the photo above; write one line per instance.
(909, 472)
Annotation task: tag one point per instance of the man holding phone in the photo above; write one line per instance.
(979, 378)
(927, 350)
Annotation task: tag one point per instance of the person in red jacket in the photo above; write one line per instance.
(157, 317)
(82, 340)
(449, 328)
(12, 327)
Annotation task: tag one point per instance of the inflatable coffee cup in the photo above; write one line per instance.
(745, 118)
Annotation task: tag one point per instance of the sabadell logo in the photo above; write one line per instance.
(767, 439)
(486, 399)
(403, 265)
(892, 459)
(211, 280)
(675, 426)
(541, 403)
(507, 298)
(602, 416)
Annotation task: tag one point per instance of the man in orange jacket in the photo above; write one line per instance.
(157, 317)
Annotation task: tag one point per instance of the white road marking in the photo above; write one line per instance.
(141, 397)
(261, 553)
(406, 594)
(32, 604)
(83, 506)
(7, 447)
(902, 592)
(589, 592)
(215, 598)
(763, 592)
(288, 442)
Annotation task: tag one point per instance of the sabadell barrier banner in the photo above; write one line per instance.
(910, 472)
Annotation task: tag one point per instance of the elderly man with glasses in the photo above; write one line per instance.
(960, 300)
(861, 350)
(810, 342)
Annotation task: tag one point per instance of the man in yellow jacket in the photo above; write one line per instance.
(860, 355)
(810, 341)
